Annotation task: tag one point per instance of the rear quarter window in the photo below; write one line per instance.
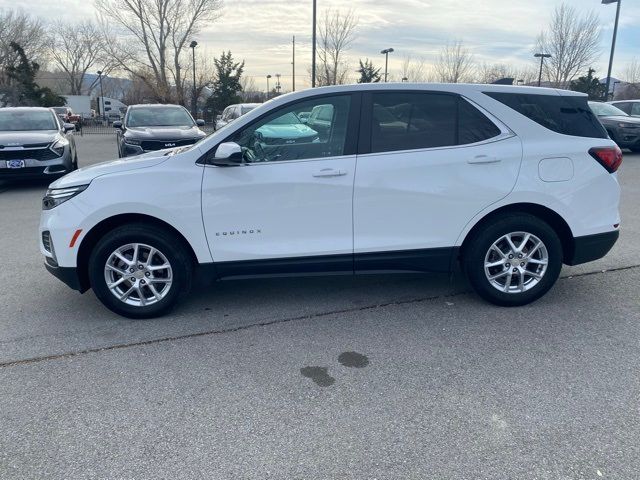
(569, 115)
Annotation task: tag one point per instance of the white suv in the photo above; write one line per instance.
(506, 183)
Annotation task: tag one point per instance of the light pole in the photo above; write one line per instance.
(541, 56)
(313, 47)
(386, 53)
(278, 83)
(194, 100)
(101, 102)
(613, 43)
(293, 66)
(268, 77)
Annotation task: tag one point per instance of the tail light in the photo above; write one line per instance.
(609, 157)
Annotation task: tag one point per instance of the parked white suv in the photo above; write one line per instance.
(507, 183)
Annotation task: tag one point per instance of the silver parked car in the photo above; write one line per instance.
(34, 142)
(233, 112)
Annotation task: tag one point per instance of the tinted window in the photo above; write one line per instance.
(407, 121)
(569, 115)
(635, 109)
(22, 120)
(473, 125)
(283, 136)
(159, 117)
(625, 107)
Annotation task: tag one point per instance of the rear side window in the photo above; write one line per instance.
(569, 115)
(417, 120)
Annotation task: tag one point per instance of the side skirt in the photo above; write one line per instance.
(440, 260)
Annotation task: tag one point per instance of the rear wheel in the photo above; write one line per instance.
(140, 271)
(514, 260)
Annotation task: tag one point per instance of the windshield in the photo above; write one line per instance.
(21, 120)
(159, 117)
(60, 110)
(606, 110)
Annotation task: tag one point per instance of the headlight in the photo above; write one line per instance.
(59, 146)
(627, 125)
(132, 141)
(56, 196)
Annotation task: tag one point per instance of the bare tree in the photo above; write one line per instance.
(335, 35)
(455, 64)
(632, 71)
(573, 40)
(415, 70)
(629, 89)
(157, 33)
(75, 49)
(26, 31)
(489, 73)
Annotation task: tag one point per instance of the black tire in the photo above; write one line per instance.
(169, 244)
(475, 253)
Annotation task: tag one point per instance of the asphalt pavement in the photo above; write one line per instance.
(378, 376)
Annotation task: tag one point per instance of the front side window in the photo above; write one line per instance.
(417, 120)
(295, 133)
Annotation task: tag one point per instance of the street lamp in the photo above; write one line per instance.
(268, 77)
(194, 100)
(386, 53)
(101, 102)
(613, 43)
(541, 56)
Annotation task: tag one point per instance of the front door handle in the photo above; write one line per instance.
(329, 172)
(483, 159)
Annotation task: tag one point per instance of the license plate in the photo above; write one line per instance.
(15, 163)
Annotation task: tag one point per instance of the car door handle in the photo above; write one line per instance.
(329, 172)
(483, 159)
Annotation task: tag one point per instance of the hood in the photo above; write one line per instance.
(19, 139)
(163, 133)
(85, 175)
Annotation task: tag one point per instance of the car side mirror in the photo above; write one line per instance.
(200, 122)
(117, 124)
(228, 154)
(68, 127)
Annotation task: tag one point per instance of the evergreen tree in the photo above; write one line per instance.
(368, 73)
(590, 85)
(227, 87)
(25, 90)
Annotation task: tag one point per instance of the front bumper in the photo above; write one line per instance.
(68, 275)
(37, 168)
(591, 247)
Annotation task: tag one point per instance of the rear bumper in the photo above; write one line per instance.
(592, 247)
(68, 275)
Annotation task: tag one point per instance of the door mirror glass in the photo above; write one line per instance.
(200, 122)
(227, 154)
(68, 127)
(117, 124)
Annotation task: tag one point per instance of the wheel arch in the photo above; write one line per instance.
(552, 218)
(97, 231)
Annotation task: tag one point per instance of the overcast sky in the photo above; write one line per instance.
(497, 31)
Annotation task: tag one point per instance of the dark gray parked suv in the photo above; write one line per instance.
(621, 127)
(156, 127)
(34, 143)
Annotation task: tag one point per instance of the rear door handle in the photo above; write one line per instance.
(329, 172)
(483, 159)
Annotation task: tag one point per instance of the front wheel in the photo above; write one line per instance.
(140, 271)
(513, 261)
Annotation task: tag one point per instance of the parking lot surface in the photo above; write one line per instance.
(396, 376)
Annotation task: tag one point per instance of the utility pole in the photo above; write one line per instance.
(313, 48)
(293, 66)
(613, 43)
